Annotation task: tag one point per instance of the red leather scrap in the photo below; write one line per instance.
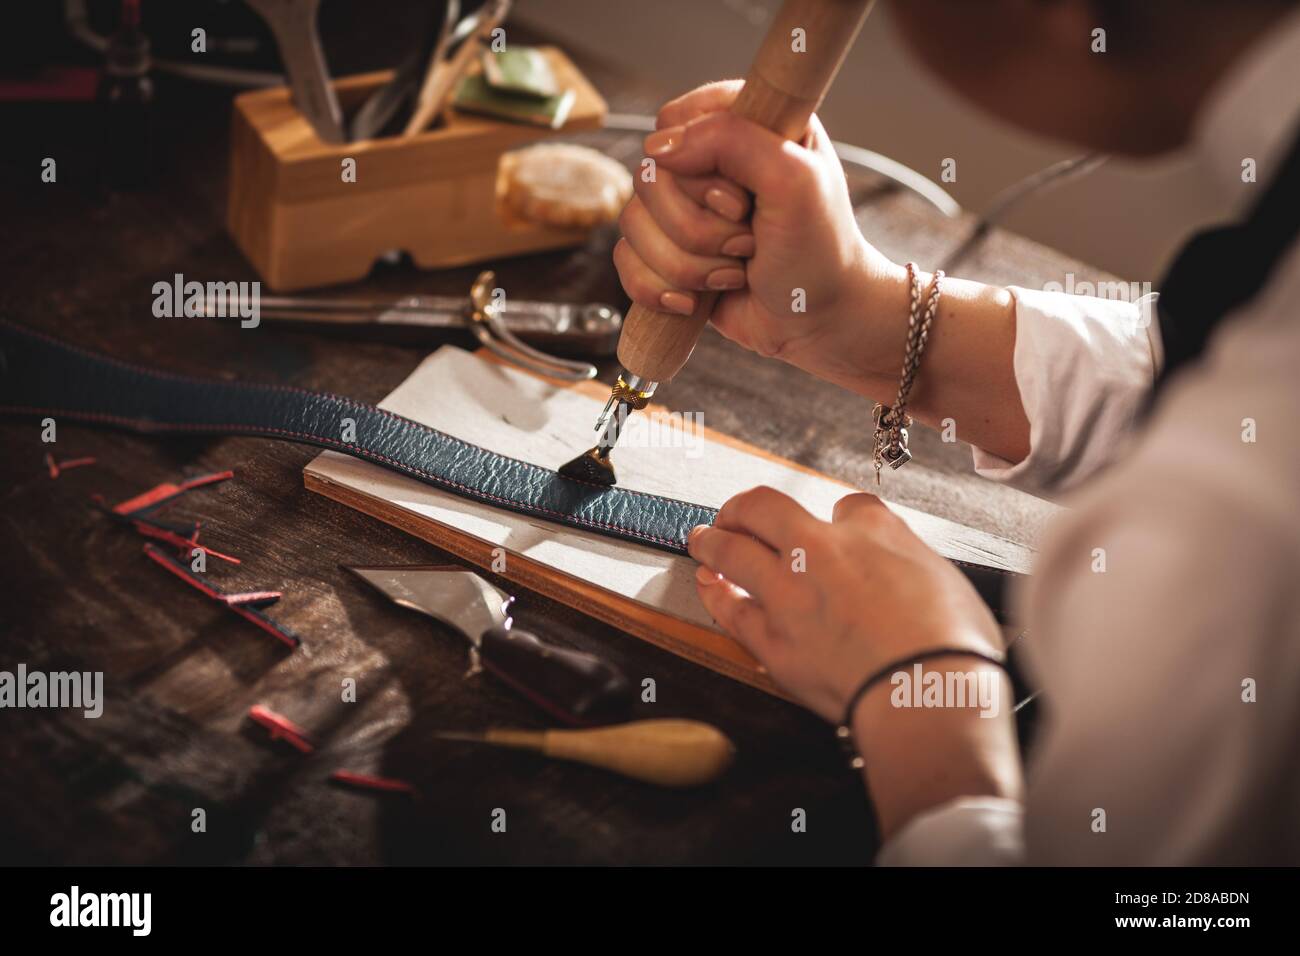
(253, 598)
(58, 467)
(159, 495)
(281, 727)
(365, 781)
(172, 535)
(247, 604)
(137, 512)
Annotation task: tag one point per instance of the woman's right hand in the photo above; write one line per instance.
(801, 284)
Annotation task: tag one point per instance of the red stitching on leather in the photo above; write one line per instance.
(222, 383)
(148, 426)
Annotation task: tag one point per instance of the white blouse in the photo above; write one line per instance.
(1171, 679)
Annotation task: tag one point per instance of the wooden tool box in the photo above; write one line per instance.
(435, 195)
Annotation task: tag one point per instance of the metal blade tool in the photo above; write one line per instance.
(293, 23)
(515, 330)
(574, 687)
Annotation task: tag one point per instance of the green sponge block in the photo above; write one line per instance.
(475, 95)
(522, 70)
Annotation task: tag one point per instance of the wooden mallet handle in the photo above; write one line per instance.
(783, 89)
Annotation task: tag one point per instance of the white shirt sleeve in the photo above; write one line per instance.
(1084, 367)
(968, 831)
(1163, 624)
(1162, 618)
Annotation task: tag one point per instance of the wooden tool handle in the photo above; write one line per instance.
(669, 753)
(783, 89)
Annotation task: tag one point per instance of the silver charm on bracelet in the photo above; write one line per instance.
(892, 421)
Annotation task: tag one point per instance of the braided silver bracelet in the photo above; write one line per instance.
(892, 421)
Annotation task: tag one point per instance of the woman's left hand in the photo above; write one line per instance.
(823, 605)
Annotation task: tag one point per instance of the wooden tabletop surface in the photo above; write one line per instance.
(180, 673)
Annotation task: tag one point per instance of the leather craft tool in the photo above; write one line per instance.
(785, 85)
(40, 375)
(293, 22)
(514, 330)
(668, 753)
(575, 687)
(448, 64)
(382, 105)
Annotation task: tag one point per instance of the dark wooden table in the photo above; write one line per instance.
(181, 673)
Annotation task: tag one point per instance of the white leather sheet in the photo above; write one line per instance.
(514, 413)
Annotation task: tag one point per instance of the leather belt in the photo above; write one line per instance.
(43, 376)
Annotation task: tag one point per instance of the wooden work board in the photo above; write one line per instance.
(644, 591)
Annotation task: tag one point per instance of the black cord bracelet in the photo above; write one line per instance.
(844, 732)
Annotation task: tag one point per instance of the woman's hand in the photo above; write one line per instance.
(798, 281)
(799, 277)
(825, 605)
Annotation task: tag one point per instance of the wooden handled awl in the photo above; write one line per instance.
(669, 753)
(794, 68)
